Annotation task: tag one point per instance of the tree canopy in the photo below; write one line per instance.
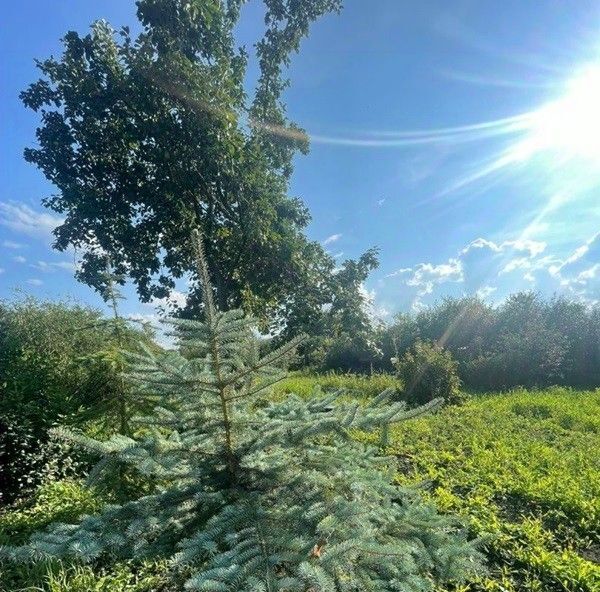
(148, 137)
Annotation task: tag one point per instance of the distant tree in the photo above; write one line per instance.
(525, 341)
(524, 350)
(591, 365)
(570, 323)
(461, 325)
(149, 137)
(336, 312)
(350, 321)
(397, 337)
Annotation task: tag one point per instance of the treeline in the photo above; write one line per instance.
(526, 341)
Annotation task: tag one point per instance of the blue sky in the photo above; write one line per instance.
(461, 138)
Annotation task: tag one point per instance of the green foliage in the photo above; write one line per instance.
(357, 386)
(523, 466)
(58, 364)
(525, 341)
(258, 495)
(428, 372)
(146, 138)
(351, 353)
(41, 345)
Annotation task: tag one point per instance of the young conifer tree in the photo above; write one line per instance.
(259, 496)
(113, 412)
(116, 401)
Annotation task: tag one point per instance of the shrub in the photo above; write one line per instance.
(428, 372)
(52, 370)
(25, 463)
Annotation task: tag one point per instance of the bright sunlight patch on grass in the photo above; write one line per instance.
(524, 467)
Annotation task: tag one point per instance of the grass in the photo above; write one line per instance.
(523, 467)
(355, 385)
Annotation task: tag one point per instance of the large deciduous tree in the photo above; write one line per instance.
(147, 137)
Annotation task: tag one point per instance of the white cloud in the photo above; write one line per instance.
(331, 239)
(426, 276)
(176, 299)
(381, 201)
(534, 248)
(20, 259)
(377, 313)
(8, 244)
(581, 257)
(492, 270)
(160, 308)
(486, 291)
(399, 272)
(517, 263)
(35, 282)
(579, 273)
(590, 273)
(54, 265)
(68, 265)
(480, 243)
(21, 218)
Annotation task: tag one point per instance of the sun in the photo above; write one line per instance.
(569, 126)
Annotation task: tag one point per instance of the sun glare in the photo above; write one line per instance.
(570, 125)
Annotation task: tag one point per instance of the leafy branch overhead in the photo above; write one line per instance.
(256, 495)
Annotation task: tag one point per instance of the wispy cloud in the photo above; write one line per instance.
(8, 244)
(54, 265)
(21, 218)
(381, 201)
(332, 239)
(19, 259)
(34, 282)
(1, 270)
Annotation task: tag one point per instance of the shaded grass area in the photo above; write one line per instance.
(522, 466)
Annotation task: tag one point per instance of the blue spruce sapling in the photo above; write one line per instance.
(254, 495)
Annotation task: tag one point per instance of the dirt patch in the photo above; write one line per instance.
(591, 553)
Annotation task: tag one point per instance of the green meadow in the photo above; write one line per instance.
(521, 469)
